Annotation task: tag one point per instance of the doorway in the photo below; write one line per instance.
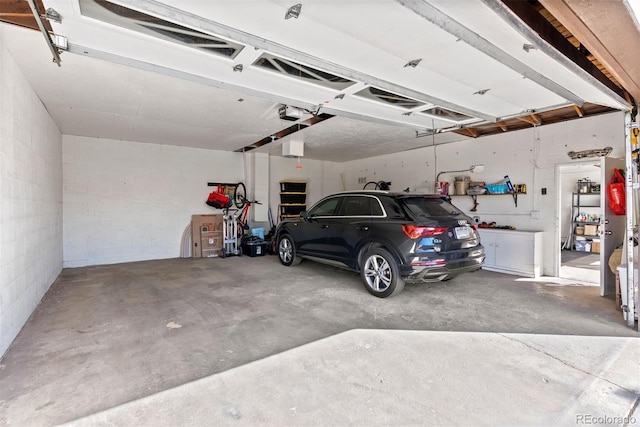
(579, 209)
(584, 254)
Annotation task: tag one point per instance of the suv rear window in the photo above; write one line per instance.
(428, 207)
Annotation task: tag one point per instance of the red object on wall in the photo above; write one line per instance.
(616, 193)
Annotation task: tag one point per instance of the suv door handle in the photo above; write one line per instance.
(364, 228)
(324, 226)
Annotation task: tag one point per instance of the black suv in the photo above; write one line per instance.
(388, 237)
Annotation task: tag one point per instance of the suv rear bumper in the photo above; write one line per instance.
(448, 271)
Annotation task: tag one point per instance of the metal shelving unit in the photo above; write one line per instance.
(590, 204)
(293, 198)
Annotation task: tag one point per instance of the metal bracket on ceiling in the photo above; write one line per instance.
(36, 14)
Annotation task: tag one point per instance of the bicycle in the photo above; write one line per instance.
(379, 185)
(244, 207)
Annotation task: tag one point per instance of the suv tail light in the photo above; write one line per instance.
(415, 232)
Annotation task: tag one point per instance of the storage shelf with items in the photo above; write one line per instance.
(479, 188)
(293, 198)
(585, 216)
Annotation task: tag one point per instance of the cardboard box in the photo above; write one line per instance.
(211, 240)
(595, 246)
(210, 253)
(203, 224)
(590, 230)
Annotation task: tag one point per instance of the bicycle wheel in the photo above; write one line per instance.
(240, 195)
(371, 185)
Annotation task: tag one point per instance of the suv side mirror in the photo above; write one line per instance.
(305, 215)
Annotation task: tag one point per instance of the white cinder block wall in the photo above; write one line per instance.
(30, 200)
(528, 156)
(128, 201)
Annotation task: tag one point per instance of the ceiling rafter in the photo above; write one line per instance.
(532, 119)
(579, 111)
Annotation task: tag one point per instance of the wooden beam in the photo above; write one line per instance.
(470, 132)
(15, 14)
(578, 111)
(608, 31)
(532, 119)
(287, 131)
(527, 12)
(502, 126)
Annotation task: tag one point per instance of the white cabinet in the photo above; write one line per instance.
(512, 251)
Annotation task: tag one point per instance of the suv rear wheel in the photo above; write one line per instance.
(380, 273)
(287, 251)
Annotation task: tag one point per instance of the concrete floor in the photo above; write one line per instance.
(246, 341)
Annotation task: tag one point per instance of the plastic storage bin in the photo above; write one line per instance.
(254, 247)
(583, 245)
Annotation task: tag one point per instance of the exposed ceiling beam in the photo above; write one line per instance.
(468, 132)
(473, 39)
(532, 119)
(608, 31)
(286, 132)
(579, 111)
(503, 126)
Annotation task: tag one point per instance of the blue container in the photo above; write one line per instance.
(497, 188)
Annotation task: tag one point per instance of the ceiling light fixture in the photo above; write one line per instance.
(413, 63)
(293, 11)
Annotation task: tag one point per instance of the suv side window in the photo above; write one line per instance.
(325, 208)
(392, 208)
(360, 206)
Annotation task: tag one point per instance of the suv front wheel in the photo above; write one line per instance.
(287, 251)
(380, 273)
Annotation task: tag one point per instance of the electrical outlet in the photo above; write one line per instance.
(362, 180)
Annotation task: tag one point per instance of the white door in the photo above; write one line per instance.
(612, 226)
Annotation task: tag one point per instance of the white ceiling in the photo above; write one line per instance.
(118, 83)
